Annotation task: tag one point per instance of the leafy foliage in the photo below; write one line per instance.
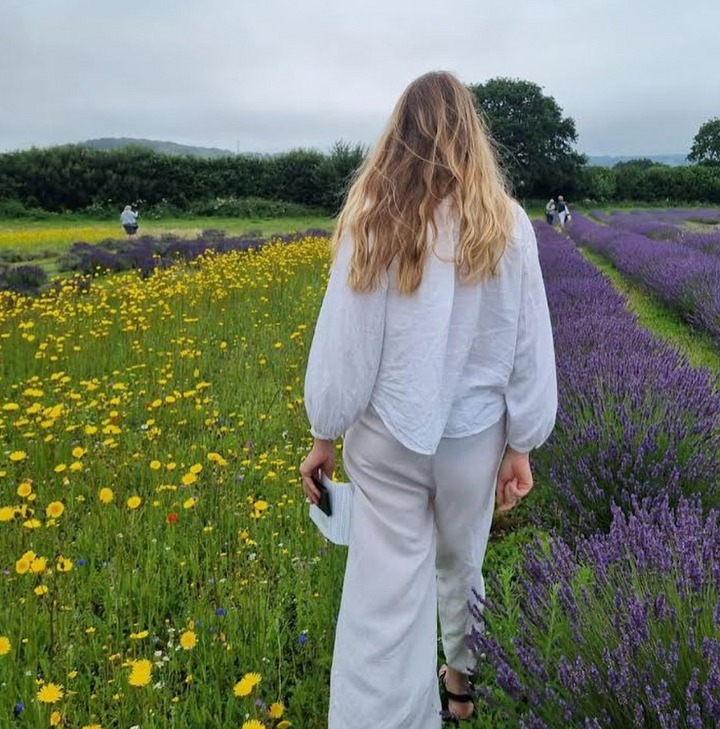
(706, 145)
(535, 141)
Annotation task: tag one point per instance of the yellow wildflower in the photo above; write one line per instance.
(7, 513)
(276, 710)
(188, 639)
(247, 683)
(24, 489)
(5, 645)
(38, 566)
(18, 456)
(141, 673)
(106, 495)
(50, 693)
(78, 452)
(55, 509)
(55, 718)
(133, 502)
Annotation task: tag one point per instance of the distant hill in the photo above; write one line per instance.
(164, 147)
(674, 160)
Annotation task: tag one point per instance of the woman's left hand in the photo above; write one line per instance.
(320, 459)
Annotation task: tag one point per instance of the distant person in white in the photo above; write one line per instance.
(563, 211)
(128, 219)
(550, 211)
(433, 355)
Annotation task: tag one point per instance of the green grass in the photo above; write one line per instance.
(659, 318)
(57, 234)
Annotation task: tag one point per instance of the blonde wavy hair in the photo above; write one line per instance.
(434, 147)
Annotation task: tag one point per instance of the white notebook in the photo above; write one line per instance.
(336, 528)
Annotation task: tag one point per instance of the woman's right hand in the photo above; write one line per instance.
(514, 480)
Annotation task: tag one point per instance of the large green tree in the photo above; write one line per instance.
(706, 145)
(535, 141)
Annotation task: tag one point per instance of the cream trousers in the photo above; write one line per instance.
(419, 533)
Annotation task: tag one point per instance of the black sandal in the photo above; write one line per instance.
(447, 696)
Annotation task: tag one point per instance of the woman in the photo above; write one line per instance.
(563, 211)
(128, 220)
(433, 354)
(550, 211)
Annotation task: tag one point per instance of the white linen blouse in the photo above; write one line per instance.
(449, 360)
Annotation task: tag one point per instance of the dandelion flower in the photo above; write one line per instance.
(55, 718)
(141, 673)
(106, 495)
(24, 489)
(133, 502)
(32, 524)
(189, 479)
(38, 566)
(64, 564)
(247, 683)
(253, 724)
(60, 468)
(41, 590)
(285, 724)
(139, 636)
(78, 452)
(55, 509)
(7, 513)
(276, 710)
(188, 640)
(92, 726)
(18, 456)
(155, 465)
(4, 645)
(196, 468)
(190, 503)
(261, 505)
(50, 693)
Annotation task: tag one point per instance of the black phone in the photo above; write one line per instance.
(324, 503)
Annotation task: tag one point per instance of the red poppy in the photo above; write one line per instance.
(172, 517)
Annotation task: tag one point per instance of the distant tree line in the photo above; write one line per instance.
(534, 140)
(74, 178)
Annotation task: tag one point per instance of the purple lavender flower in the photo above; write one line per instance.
(636, 666)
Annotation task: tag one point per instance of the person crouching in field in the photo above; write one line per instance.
(128, 219)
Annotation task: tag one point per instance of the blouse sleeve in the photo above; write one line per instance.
(345, 353)
(531, 394)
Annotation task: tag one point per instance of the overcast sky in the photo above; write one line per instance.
(638, 76)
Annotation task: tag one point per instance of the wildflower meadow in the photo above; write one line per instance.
(159, 569)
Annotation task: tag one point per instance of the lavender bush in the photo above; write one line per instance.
(635, 419)
(148, 253)
(686, 279)
(669, 225)
(620, 631)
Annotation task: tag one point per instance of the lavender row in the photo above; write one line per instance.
(670, 225)
(686, 279)
(635, 419)
(617, 631)
(614, 624)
